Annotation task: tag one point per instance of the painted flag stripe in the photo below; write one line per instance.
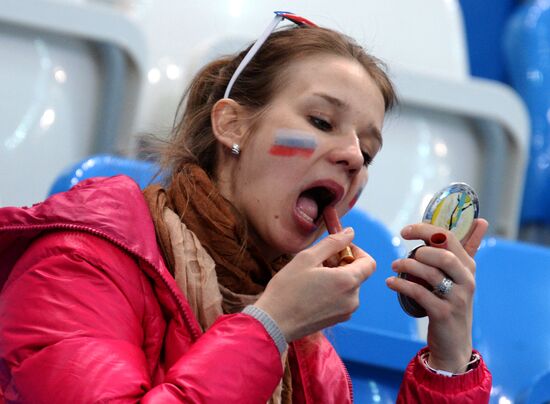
(286, 151)
(296, 142)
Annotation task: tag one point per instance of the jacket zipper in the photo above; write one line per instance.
(299, 362)
(194, 332)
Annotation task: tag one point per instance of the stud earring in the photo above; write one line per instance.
(235, 149)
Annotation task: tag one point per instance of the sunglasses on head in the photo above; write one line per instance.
(279, 16)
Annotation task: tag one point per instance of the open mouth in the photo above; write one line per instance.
(312, 202)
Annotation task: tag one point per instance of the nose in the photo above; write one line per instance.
(347, 153)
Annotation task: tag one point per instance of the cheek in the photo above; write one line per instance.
(355, 198)
(288, 143)
(362, 182)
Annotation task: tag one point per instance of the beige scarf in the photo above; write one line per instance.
(207, 250)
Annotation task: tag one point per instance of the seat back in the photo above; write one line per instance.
(52, 53)
(106, 165)
(512, 314)
(379, 307)
(539, 392)
(525, 44)
(380, 339)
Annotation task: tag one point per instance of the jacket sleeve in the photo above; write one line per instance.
(420, 385)
(72, 329)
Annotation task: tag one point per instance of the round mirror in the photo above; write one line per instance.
(453, 208)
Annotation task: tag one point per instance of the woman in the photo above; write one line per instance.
(207, 289)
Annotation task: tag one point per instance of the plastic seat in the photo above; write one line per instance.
(378, 302)
(379, 340)
(539, 392)
(106, 165)
(512, 315)
(53, 52)
(525, 43)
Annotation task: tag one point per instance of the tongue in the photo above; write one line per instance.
(308, 207)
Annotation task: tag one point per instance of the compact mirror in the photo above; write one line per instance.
(453, 208)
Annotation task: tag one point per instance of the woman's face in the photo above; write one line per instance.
(310, 149)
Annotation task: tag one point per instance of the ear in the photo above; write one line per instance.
(227, 118)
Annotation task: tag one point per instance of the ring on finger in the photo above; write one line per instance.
(444, 287)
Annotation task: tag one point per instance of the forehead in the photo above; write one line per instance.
(339, 77)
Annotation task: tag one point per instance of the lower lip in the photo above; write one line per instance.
(306, 226)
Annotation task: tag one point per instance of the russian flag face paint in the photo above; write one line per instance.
(290, 143)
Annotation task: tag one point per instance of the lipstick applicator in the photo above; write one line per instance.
(334, 226)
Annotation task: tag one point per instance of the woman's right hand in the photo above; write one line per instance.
(306, 296)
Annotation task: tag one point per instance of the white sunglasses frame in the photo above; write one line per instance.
(279, 16)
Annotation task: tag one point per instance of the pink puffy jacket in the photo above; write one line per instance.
(89, 313)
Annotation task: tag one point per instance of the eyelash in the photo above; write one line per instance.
(326, 126)
(320, 123)
(367, 159)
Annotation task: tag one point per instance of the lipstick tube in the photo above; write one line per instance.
(334, 226)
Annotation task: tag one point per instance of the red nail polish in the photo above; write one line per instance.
(438, 240)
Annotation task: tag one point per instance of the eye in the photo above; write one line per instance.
(320, 123)
(367, 158)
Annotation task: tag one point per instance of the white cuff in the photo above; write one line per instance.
(270, 326)
(469, 366)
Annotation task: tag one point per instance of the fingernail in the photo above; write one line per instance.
(348, 230)
(390, 280)
(406, 231)
(438, 240)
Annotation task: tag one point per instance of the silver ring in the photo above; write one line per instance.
(444, 287)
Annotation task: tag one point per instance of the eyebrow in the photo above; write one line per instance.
(371, 130)
(332, 100)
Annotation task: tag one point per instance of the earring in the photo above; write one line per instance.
(235, 149)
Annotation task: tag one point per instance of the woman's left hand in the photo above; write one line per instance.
(450, 316)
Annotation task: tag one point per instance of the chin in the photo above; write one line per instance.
(295, 245)
(288, 242)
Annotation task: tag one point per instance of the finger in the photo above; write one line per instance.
(425, 298)
(362, 268)
(425, 231)
(447, 262)
(474, 240)
(331, 262)
(358, 252)
(431, 275)
(422, 231)
(327, 247)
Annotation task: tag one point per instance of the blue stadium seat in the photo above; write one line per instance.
(379, 340)
(539, 392)
(378, 303)
(525, 43)
(512, 316)
(106, 165)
